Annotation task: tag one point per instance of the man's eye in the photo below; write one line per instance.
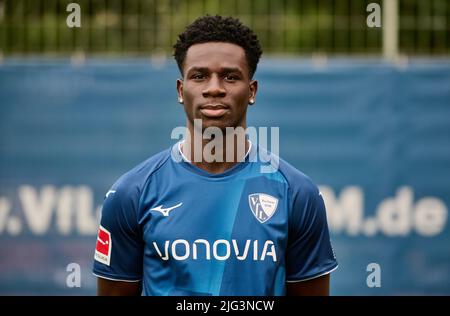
(231, 77)
(198, 76)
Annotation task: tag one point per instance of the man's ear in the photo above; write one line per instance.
(253, 90)
(180, 90)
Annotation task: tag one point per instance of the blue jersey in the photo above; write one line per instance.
(184, 231)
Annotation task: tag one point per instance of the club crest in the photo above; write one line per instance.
(263, 206)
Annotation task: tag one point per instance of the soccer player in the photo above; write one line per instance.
(177, 225)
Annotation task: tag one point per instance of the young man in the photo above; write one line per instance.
(178, 224)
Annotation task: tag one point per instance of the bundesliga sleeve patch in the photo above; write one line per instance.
(103, 246)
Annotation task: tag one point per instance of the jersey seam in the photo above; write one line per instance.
(290, 197)
(147, 180)
(326, 271)
(116, 277)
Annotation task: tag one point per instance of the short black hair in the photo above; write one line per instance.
(219, 29)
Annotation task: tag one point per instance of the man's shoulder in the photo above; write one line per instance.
(296, 179)
(132, 181)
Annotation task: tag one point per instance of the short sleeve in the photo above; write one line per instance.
(309, 253)
(119, 247)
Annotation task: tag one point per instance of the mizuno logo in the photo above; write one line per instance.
(165, 211)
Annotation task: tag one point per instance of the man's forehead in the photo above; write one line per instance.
(217, 54)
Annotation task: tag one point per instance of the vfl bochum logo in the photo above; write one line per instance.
(263, 206)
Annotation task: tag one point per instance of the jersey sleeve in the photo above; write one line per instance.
(309, 253)
(119, 248)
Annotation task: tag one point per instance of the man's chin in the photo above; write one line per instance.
(221, 123)
(219, 126)
(215, 122)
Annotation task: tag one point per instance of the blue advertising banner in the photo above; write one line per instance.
(375, 138)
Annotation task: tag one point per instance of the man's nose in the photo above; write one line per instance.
(214, 88)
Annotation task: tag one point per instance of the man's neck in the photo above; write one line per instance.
(215, 155)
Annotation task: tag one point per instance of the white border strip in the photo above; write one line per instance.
(111, 279)
(187, 160)
(181, 152)
(314, 277)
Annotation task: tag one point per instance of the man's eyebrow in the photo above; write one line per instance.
(231, 69)
(207, 70)
(200, 69)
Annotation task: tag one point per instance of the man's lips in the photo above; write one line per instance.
(216, 110)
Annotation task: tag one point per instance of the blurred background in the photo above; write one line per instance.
(359, 89)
